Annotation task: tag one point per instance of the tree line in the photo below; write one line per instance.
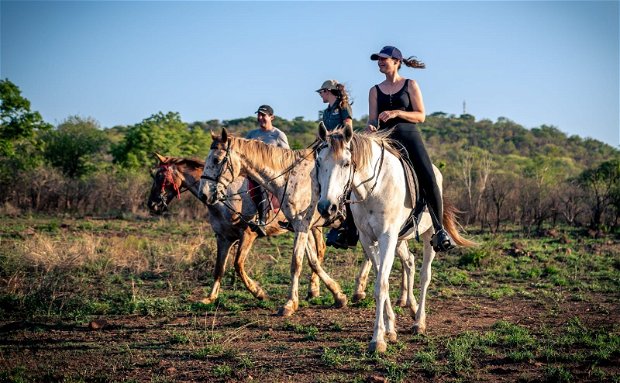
(497, 173)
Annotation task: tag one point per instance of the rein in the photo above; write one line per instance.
(225, 199)
(168, 179)
(226, 162)
(349, 186)
(375, 175)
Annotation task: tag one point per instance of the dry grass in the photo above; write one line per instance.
(44, 252)
(62, 271)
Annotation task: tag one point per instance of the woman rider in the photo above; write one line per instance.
(338, 114)
(397, 103)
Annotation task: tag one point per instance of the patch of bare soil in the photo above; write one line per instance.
(257, 346)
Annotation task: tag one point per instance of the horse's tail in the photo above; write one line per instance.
(450, 224)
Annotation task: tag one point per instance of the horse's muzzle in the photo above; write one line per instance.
(327, 209)
(212, 196)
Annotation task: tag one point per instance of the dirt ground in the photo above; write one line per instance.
(256, 345)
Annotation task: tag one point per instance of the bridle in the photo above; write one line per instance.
(168, 173)
(344, 198)
(224, 163)
(228, 164)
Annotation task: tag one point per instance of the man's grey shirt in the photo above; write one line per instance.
(271, 137)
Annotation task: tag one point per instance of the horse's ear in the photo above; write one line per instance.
(322, 131)
(224, 135)
(161, 158)
(348, 132)
(213, 136)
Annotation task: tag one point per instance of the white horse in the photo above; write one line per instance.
(369, 168)
(289, 175)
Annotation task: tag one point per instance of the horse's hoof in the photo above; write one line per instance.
(378, 347)
(419, 329)
(285, 312)
(358, 297)
(340, 301)
(391, 336)
(402, 302)
(313, 294)
(207, 300)
(261, 295)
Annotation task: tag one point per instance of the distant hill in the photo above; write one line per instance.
(448, 136)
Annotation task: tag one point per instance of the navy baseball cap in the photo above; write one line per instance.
(265, 109)
(387, 51)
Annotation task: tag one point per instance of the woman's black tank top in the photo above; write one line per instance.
(397, 101)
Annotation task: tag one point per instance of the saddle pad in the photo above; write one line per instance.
(253, 188)
(417, 201)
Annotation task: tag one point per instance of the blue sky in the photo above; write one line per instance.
(536, 63)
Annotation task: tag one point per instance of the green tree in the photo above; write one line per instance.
(74, 146)
(20, 144)
(163, 133)
(602, 185)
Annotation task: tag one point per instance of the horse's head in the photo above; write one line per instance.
(166, 185)
(334, 169)
(221, 169)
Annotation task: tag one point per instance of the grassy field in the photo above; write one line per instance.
(101, 300)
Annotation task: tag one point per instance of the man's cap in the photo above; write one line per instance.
(387, 51)
(265, 109)
(328, 85)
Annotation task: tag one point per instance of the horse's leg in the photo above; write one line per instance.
(340, 299)
(403, 254)
(361, 280)
(425, 279)
(387, 247)
(316, 239)
(223, 249)
(407, 297)
(299, 247)
(390, 320)
(245, 245)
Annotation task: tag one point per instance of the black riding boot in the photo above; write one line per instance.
(346, 235)
(260, 201)
(409, 136)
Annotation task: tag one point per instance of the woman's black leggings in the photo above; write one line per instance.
(408, 134)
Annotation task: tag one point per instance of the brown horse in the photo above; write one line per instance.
(176, 175)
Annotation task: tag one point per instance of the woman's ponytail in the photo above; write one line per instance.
(342, 95)
(413, 62)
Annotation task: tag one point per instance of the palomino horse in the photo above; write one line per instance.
(369, 168)
(175, 175)
(289, 175)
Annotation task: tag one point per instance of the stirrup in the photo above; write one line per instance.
(258, 227)
(286, 225)
(441, 241)
(335, 238)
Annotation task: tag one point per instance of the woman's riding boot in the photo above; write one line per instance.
(441, 240)
(346, 235)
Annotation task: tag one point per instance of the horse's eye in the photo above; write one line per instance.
(216, 161)
(347, 164)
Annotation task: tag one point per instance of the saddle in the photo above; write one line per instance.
(418, 202)
(274, 203)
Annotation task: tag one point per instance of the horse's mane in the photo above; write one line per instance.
(361, 145)
(269, 155)
(190, 162)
